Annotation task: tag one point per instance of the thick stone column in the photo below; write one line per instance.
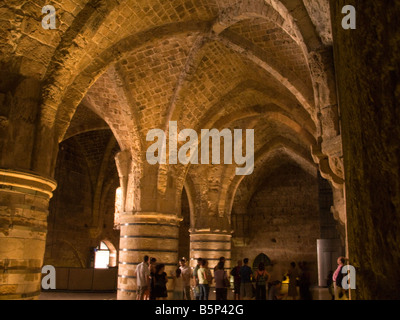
(24, 202)
(146, 233)
(210, 245)
(368, 73)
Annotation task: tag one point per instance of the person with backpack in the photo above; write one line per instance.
(262, 278)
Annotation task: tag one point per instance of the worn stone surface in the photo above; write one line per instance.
(113, 70)
(82, 209)
(367, 67)
(281, 220)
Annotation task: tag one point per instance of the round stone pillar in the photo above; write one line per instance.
(210, 245)
(24, 203)
(146, 233)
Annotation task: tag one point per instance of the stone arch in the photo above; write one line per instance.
(190, 192)
(66, 244)
(113, 252)
(265, 103)
(281, 145)
(87, 77)
(261, 258)
(271, 9)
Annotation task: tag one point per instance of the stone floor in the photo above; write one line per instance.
(318, 294)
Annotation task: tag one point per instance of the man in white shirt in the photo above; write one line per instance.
(186, 276)
(142, 278)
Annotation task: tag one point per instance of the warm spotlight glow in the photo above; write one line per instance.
(118, 207)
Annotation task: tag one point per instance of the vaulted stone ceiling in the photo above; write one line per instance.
(264, 65)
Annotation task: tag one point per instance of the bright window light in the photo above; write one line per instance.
(102, 257)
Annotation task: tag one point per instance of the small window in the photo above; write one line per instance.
(102, 257)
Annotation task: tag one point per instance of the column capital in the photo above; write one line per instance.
(27, 182)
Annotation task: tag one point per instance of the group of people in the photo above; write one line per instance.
(152, 281)
(203, 278)
(249, 284)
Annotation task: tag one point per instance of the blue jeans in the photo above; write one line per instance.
(204, 291)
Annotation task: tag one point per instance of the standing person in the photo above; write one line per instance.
(337, 279)
(178, 285)
(186, 275)
(196, 279)
(142, 278)
(246, 287)
(152, 269)
(305, 282)
(235, 273)
(293, 274)
(205, 279)
(262, 278)
(221, 259)
(160, 283)
(221, 282)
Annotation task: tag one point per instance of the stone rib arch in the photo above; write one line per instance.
(97, 12)
(274, 116)
(250, 85)
(265, 9)
(280, 146)
(315, 55)
(190, 192)
(267, 115)
(86, 23)
(231, 169)
(85, 129)
(292, 126)
(294, 90)
(166, 33)
(88, 76)
(225, 174)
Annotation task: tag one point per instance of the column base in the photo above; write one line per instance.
(210, 245)
(146, 233)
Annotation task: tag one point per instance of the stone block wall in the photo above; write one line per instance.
(78, 218)
(283, 221)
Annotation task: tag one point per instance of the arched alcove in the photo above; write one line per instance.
(261, 258)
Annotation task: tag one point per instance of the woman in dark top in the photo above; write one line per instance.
(152, 268)
(160, 283)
